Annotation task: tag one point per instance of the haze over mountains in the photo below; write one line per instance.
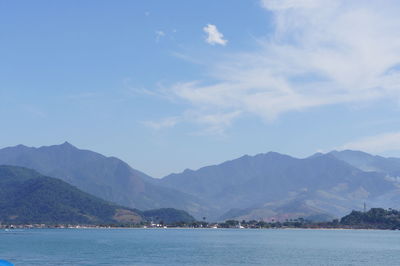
(267, 186)
(278, 186)
(27, 197)
(105, 177)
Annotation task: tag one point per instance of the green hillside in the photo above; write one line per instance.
(168, 216)
(105, 177)
(375, 218)
(27, 197)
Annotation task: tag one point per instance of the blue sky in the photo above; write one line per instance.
(169, 85)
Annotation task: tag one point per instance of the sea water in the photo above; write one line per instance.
(199, 247)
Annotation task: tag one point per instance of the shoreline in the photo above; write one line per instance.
(190, 228)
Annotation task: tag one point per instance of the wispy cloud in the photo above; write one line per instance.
(162, 124)
(212, 123)
(214, 36)
(159, 35)
(33, 110)
(288, 4)
(320, 53)
(375, 144)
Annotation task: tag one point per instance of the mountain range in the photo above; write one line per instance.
(265, 186)
(276, 186)
(28, 197)
(105, 177)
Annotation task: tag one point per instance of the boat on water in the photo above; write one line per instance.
(240, 226)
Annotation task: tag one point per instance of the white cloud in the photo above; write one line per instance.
(159, 35)
(288, 4)
(320, 53)
(213, 123)
(376, 144)
(33, 110)
(214, 36)
(162, 124)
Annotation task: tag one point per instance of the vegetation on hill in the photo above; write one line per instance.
(265, 187)
(168, 216)
(105, 177)
(276, 186)
(376, 218)
(27, 197)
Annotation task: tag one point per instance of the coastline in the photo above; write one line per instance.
(82, 227)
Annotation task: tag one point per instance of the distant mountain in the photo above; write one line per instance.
(281, 211)
(368, 162)
(276, 186)
(27, 197)
(105, 177)
(267, 186)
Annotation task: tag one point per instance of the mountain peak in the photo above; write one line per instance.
(66, 144)
(317, 154)
(21, 146)
(353, 152)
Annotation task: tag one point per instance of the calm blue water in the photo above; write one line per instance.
(199, 247)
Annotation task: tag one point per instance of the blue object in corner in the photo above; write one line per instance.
(5, 263)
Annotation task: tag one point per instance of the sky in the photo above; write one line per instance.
(170, 85)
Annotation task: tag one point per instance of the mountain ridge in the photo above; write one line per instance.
(272, 184)
(107, 177)
(254, 182)
(28, 197)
